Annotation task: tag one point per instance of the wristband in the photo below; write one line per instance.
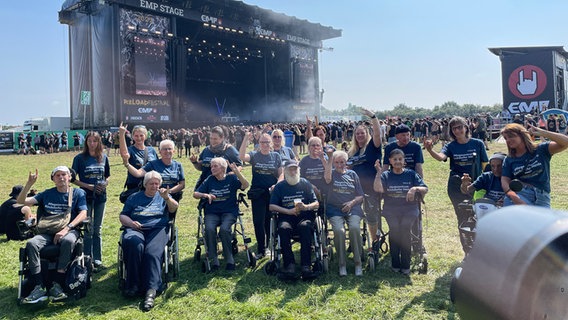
(126, 165)
(373, 116)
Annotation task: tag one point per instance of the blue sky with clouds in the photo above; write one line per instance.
(421, 53)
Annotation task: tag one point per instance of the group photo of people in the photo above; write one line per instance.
(339, 189)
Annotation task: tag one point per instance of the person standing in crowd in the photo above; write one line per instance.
(220, 189)
(137, 154)
(345, 196)
(58, 200)
(467, 156)
(365, 150)
(295, 202)
(11, 212)
(218, 147)
(286, 153)
(266, 170)
(320, 132)
(173, 176)
(311, 167)
(93, 171)
(413, 157)
(400, 188)
(530, 163)
(145, 216)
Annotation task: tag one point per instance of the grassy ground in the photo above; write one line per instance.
(247, 293)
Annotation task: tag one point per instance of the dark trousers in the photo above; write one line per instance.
(287, 227)
(400, 239)
(261, 220)
(457, 197)
(143, 253)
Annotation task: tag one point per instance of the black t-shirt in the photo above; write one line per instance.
(9, 216)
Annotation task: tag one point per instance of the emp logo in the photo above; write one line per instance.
(527, 82)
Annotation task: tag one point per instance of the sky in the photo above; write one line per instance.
(419, 53)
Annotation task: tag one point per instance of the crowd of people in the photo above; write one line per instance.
(341, 170)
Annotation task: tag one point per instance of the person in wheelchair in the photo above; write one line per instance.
(220, 191)
(399, 187)
(145, 217)
(295, 201)
(59, 201)
(345, 196)
(489, 181)
(11, 213)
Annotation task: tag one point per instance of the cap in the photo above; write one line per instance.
(292, 163)
(60, 168)
(401, 128)
(16, 190)
(498, 155)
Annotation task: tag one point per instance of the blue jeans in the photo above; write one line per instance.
(93, 239)
(531, 196)
(225, 221)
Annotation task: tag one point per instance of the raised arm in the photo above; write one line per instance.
(377, 183)
(243, 155)
(22, 199)
(377, 140)
(436, 155)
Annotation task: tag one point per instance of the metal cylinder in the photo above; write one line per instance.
(517, 268)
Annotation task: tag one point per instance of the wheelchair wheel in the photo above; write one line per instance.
(205, 266)
(251, 259)
(330, 252)
(326, 264)
(371, 262)
(235, 246)
(270, 268)
(423, 266)
(197, 254)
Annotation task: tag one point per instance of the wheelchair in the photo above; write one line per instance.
(238, 231)
(368, 254)
(319, 241)
(49, 256)
(170, 263)
(419, 255)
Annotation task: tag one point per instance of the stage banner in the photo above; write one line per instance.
(528, 82)
(6, 141)
(145, 67)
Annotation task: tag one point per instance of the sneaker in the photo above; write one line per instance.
(358, 271)
(342, 271)
(56, 292)
(38, 294)
(405, 272)
(393, 269)
(267, 253)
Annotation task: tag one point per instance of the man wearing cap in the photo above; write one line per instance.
(489, 181)
(413, 157)
(11, 212)
(54, 201)
(295, 201)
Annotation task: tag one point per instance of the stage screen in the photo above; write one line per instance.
(304, 82)
(150, 66)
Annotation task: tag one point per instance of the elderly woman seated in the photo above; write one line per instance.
(146, 218)
(220, 190)
(345, 196)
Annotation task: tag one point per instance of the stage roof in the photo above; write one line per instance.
(508, 51)
(246, 14)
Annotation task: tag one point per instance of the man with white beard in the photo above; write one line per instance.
(295, 201)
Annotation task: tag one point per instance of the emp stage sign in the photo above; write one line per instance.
(528, 79)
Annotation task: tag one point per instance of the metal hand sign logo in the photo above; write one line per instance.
(527, 82)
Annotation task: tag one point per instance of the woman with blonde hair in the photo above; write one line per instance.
(529, 162)
(365, 150)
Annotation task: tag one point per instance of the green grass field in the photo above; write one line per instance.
(250, 294)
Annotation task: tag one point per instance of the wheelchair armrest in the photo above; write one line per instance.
(202, 204)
